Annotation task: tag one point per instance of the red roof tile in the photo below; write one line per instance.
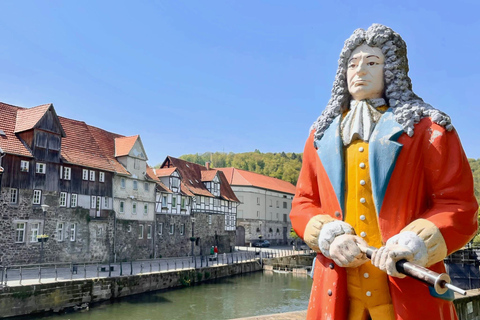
(106, 142)
(164, 172)
(208, 175)
(123, 145)
(191, 174)
(238, 177)
(160, 185)
(9, 142)
(79, 146)
(28, 118)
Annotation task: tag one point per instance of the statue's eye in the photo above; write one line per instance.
(352, 65)
(372, 63)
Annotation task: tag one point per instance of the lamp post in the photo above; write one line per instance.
(43, 239)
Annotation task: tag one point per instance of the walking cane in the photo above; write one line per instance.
(439, 281)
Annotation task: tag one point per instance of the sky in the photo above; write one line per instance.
(227, 76)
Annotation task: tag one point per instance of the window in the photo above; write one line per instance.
(277, 203)
(134, 208)
(67, 173)
(284, 205)
(129, 228)
(20, 232)
(92, 175)
(122, 206)
(105, 202)
(93, 202)
(122, 183)
(85, 174)
(140, 231)
(135, 185)
(24, 166)
(172, 228)
(258, 200)
(160, 228)
(73, 200)
(59, 231)
(145, 186)
(209, 219)
(41, 168)
(149, 232)
(34, 231)
(175, 182)
(136, 164)
(145, 208)
(13, 196)
(271, 202)
(164, 201)
(72, 231)
(37, 196)
(258, 213)
(174, 201)
(216, 202)
(183, 203)
(101, 176)
(182, 229)
(63, 199)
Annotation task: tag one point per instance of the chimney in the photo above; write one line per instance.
(207, 164)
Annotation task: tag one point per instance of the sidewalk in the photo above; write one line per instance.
(297, 315)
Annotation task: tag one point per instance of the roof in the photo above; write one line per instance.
(9, 142)
(208, 175)
(28, 118)
(123, 145)
(191, 174)
(164, 172)
(160, 185)
(80, 147)
(106, 142)
(238, 177)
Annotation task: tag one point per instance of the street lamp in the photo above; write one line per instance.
(43, 239)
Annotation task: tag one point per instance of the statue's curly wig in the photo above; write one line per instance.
(407, 107)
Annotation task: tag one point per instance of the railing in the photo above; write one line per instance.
(45, 273)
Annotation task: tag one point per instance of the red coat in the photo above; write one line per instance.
(425, 176)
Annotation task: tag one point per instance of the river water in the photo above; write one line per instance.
(246, 295)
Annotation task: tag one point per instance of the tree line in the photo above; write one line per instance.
(281, 165)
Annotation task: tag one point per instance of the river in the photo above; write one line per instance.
(245, 295)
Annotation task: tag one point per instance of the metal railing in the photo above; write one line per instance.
(16, 275)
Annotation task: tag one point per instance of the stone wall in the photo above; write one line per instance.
(267, 229)
(58, 296)
(209, 234)
(90, 243)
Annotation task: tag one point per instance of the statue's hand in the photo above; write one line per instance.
(345, 251)
(405, 245)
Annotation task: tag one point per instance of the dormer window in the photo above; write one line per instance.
(175, 182)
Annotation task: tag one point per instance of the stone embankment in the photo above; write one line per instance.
(57, 296)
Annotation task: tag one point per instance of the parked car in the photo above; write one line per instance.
(261, 243)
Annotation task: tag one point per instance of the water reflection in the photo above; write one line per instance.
(239, 296)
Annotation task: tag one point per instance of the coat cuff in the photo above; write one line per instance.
(432, 237)
(312, 230)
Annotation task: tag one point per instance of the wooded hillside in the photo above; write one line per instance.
(285, 166)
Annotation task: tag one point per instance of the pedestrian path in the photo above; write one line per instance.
(296, 315)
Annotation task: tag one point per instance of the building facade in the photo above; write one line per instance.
(264, 209)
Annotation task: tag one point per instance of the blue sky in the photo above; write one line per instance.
(231, 76)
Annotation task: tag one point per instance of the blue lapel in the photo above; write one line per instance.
(383, 152)
(330, 151)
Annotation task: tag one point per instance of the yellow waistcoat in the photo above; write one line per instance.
(367, 285)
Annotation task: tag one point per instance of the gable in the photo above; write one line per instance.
(137, 150)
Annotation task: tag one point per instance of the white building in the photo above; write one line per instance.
(264, 209)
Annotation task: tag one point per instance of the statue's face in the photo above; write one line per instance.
(365, 73)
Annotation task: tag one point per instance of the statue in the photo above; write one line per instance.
(381, 168)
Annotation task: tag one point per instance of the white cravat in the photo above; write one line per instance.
(360, 120)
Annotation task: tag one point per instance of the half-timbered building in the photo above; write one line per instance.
(195, 209)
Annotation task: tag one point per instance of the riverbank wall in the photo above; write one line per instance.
(58, 296)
